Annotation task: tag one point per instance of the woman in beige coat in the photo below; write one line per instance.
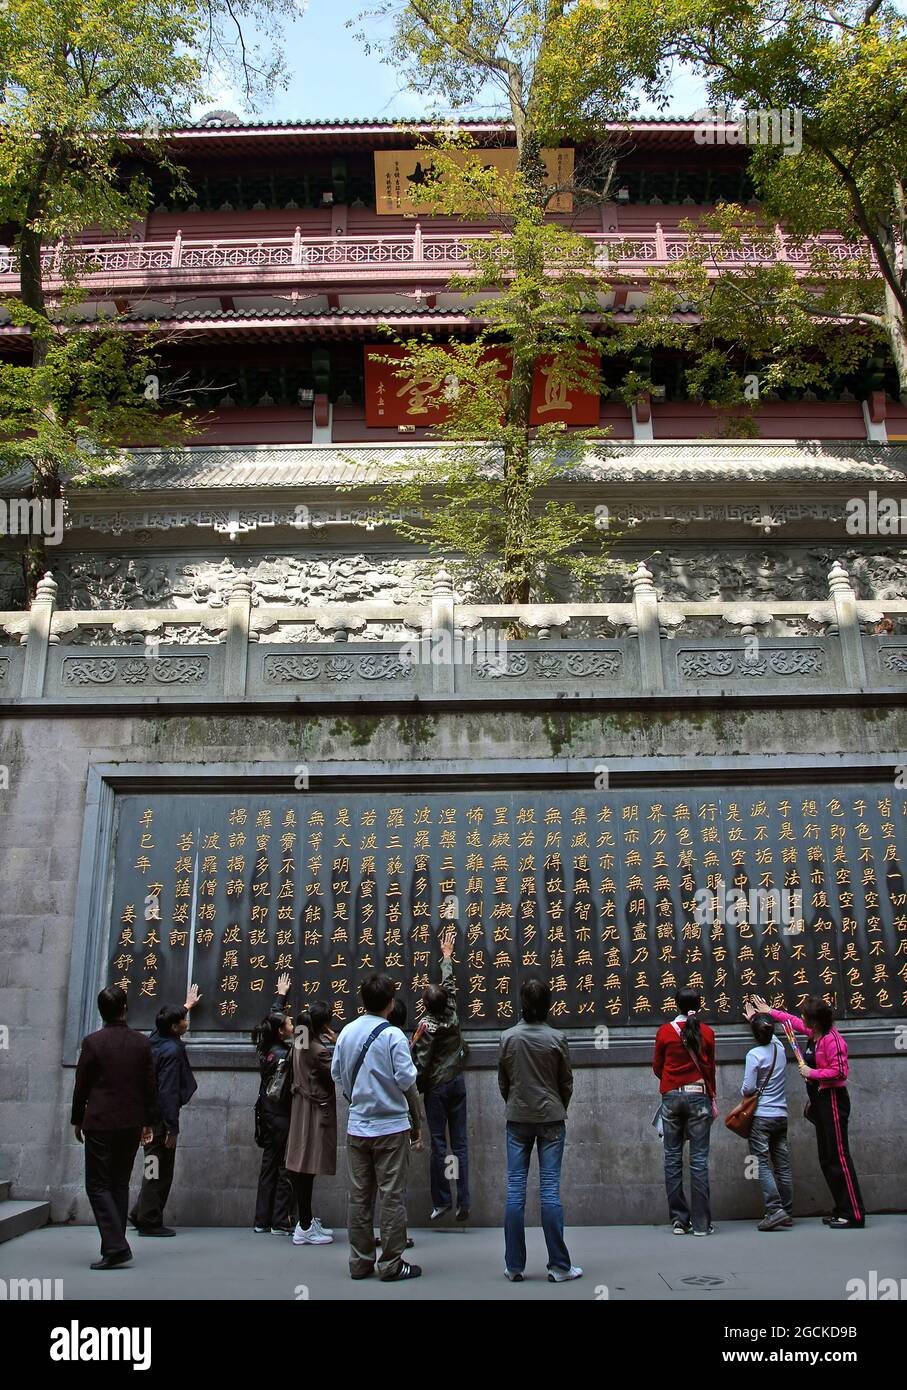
(312, 1139)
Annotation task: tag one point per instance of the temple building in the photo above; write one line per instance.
(228, 749)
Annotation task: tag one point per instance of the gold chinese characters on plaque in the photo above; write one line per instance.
(398, 172)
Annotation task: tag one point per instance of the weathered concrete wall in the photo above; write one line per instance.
(612, 1168)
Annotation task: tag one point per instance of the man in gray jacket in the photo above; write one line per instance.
(536, 1081)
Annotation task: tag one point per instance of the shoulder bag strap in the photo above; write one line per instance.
(361, 1058)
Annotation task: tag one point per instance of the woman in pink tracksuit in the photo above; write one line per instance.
(825, 1073)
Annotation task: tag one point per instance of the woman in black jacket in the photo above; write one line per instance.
(273, 1039)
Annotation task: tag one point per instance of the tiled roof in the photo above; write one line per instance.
(313, 466)
(401, 123)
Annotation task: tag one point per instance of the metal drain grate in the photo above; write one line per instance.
(705, 1282)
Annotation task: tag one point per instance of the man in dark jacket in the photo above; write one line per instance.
(536, 1080)
(114, 1106)
(175, 1088)
(438, 1053)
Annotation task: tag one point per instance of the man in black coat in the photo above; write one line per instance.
(114, 1106)
(175, 1088)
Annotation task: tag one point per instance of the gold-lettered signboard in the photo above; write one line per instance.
(399, 172)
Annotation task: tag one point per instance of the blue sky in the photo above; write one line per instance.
(332, 76)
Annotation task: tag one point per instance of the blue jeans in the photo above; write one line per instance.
(521, 1139)
(768, 1143)
(445, 1108)
(687, 1115)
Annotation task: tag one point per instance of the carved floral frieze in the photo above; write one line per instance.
(549, 666)
(776, 661)
(382, 666)
(135, 670)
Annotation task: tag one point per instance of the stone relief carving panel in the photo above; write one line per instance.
(118, 581)
(383, 666)
(138, 670)
(713, 665)
(682, 572)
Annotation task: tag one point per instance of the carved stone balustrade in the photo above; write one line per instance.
(442, 650)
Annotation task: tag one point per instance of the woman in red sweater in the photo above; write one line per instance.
(684, 1063)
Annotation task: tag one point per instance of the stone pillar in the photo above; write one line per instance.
(38, 639)
(646, 629)
(239, 613)
(847, 625)
(442, 644)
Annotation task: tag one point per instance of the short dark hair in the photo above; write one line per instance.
(763, 1026)
(168, 1017)
(112, 1004)
(535, 1000)
(435, 999)
(397, 1015)
(377, 992)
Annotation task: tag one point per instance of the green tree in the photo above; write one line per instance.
(86, 86)
(488, 496)
(538, 291)
(841, 69)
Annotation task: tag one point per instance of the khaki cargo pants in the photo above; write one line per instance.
(377, 1167)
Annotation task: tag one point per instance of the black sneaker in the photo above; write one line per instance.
(155, 1230)
(514, 1275)
(462, 1213)
(262, 1230)
(404, 1272)
(842, 1223)
(681, 1229)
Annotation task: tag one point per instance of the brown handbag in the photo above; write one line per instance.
(740, 1120)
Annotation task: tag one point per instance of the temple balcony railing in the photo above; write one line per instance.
(443, 651)
(427, 258)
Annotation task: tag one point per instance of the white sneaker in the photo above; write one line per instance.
(312, 1236)
(325, 1230)
(560, 1276)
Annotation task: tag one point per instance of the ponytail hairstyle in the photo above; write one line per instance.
(817, 1015)
(314, 1018)
(268, 1032)
(689, 1003)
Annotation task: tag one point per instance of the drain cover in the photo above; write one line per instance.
(706, 1282)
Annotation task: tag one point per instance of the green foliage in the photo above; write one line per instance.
(843, 68)
(484, 501)
(69, 415)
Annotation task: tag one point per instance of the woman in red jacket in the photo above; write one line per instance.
(684, 1063)
(825, 1069)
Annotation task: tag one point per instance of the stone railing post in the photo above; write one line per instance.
(239, 615)
(441, 647)
(646, 628)
(847, 625)
(176, 252)
(417, 245)
(296, 253)
(38, 639)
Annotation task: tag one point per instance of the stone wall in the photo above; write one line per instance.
(613, 1164)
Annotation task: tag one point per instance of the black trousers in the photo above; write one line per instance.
(274, 1196)
(157, 1180)
(109, 1156)
(302, 1184)
(831, 1112)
